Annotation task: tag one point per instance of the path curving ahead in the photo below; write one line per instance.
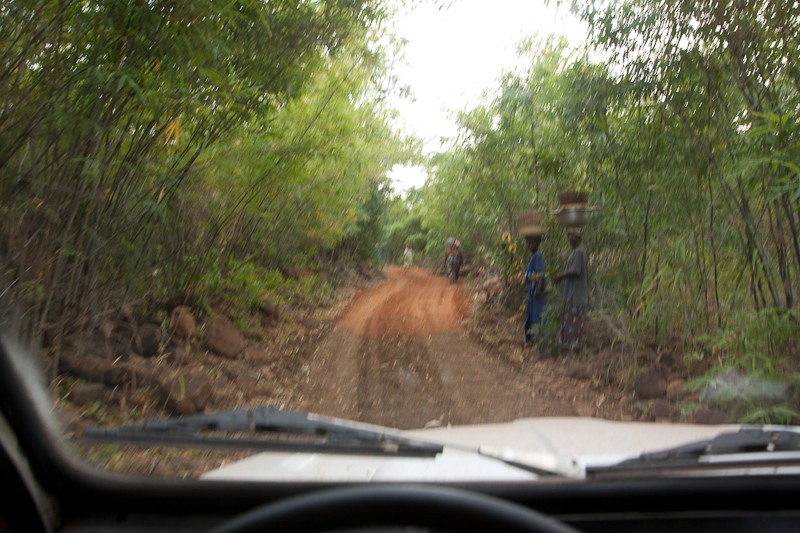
(412, 302)
(401, 356)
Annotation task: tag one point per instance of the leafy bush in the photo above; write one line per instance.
(244, 285)
(547, 331)
(751, 372)
(508, 256)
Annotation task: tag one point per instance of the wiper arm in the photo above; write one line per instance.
(281, 430)
(748, 446)
(746, 440)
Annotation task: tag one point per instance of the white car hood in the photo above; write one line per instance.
(562, 445)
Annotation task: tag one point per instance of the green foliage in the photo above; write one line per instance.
(773, 414)
(748, 367)
(405, 225)
(146, 147)
(507, 255)
(690, 152)
(547, 331)
(687, 140)
(244, 285)
(366, 231)
(311, 179)
(771, 332)
(747, 398)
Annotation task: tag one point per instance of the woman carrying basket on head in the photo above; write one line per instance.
(530, 227)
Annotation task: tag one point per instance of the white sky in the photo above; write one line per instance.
(456, 53)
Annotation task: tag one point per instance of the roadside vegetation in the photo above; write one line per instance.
(186, 151)
(681, 122)
(220, 153)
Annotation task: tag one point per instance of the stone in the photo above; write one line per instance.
(705, 415)
(662, 409)
(270, 310)
(106, 328)
(650, 385)
(126, 310)
(187, 392)
(223, 337)
(182, 322)
(581, 370)
(148, 342)
(675, 389)
(87, 393)
(491, 287)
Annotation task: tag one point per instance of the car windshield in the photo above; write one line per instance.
(525, 239)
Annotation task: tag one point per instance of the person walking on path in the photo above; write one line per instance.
(408, 256)
(574, 291)
(459, 258)
(535, 285)
(453, 258)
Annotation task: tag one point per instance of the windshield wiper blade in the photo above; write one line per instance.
(280, 430)
(748, 446)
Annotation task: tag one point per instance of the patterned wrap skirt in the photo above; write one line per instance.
(572, 317)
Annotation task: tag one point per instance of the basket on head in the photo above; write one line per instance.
(530, 224)
(573, 198)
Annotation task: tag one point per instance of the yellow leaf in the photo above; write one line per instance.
(173, 132)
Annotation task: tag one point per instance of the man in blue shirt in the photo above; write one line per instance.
(534, 282)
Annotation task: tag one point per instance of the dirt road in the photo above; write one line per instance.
(405, 354)
(401, 355)
(411, 303)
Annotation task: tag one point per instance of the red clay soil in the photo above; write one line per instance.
(405, 354)
(411, 303)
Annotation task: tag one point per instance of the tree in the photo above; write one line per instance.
(107, 109)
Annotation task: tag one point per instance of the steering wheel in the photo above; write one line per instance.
(407, 505)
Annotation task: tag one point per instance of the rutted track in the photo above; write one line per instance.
(400, 356)
(412, 303)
